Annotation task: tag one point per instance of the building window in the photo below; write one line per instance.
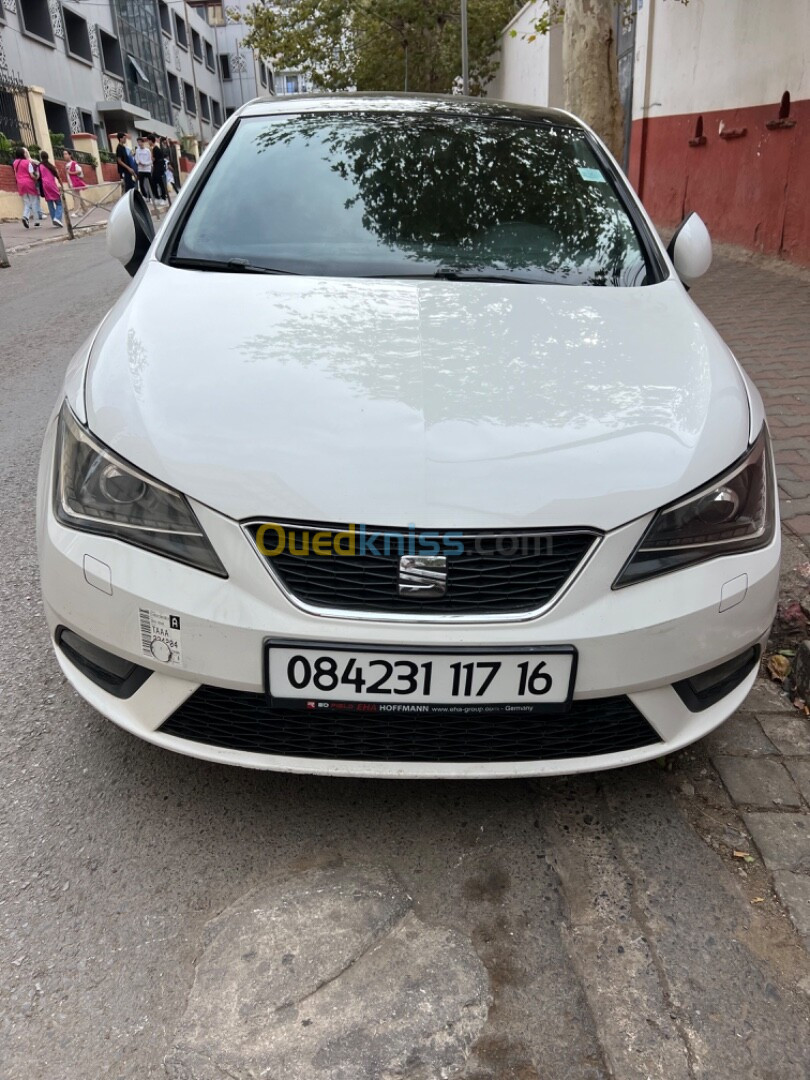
(263, 75)
(191, 104)
(180, 32)
(141, 42)
(174, 91)
(87, 121)
(291, 84)
(136, 72)
(271, 80)
(225, 66)
(56, 116)
(165, 17)
(77, 36)
(111, 59)
(215, 14)
(229, 111)
(205, 109)
(209, 56)
(216, 112)
(36, 19)
(196, 45)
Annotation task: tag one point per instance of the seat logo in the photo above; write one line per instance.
(422, 575)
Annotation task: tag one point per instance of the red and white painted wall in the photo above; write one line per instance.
(721, 115)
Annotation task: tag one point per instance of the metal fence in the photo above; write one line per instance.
(16, 122)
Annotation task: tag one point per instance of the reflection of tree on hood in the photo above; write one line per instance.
(497, 193)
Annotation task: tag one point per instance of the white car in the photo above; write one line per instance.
(406, 453)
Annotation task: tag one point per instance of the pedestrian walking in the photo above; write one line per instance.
(74, 172)
(51, 185)
(27, 176)
(158, 171)
(167, 155)
(143, 159)
(170, 178)
(126, 163)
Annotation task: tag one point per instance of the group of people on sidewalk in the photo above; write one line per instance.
(149, 167)
(39, 180)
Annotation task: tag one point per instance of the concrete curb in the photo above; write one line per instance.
(85, 231)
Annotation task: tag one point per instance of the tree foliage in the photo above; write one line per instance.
(366, 44)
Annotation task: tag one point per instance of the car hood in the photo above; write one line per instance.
(442, 404)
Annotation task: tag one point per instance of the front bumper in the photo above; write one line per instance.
(635, 641)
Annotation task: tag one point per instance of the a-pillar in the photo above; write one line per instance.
(88, 144)
(41, 134)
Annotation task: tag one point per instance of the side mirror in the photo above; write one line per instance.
(691, 248)
(130, 231)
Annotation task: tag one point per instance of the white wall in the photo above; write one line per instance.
(529, 72)
(720, 54)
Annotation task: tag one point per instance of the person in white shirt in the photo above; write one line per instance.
(143, 161)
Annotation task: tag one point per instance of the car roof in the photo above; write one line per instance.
(410, 103)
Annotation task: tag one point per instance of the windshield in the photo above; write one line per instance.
(413, 194)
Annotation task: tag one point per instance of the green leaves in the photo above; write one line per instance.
(371, 44)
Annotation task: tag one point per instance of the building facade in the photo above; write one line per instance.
(717, 107)
(136, 65)
(245, 75)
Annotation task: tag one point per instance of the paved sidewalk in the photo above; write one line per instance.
(747, 787)
(17, 238)
(762, 309)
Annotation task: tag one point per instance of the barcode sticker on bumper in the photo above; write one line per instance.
(160, 636)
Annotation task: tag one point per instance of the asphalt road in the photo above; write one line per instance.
(159, 914)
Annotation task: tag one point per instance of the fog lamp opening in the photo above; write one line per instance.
(701, 691)
(116, 675)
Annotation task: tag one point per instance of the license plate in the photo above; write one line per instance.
(312, 677)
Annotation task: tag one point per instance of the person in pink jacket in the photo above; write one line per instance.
(25, 173)
(74, 171)
(51, 188)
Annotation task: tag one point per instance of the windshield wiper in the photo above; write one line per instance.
(446, 274)
(225, 266)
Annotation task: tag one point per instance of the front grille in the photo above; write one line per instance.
(500, 572)
(243, 721)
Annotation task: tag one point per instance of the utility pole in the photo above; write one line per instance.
(465, 58)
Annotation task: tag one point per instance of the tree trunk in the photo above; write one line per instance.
(591, 70)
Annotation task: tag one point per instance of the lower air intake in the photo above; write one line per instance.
(244, 721)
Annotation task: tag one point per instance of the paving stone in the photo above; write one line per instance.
(757, 781)
(799, 769)
(794, 892)
(789, 734)
(742, 736)
(765, 697)
(783, 839)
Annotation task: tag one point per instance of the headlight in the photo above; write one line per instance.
(99, 493)
(736, 512)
